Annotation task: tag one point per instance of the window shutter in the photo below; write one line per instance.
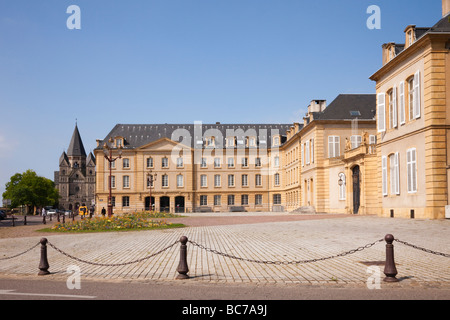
(312, 150)
(395, 113)
(402, 102)
(417, 95)
(303, 155)
(384, 175)
(381, 112)
(337, 147)
(397, 174)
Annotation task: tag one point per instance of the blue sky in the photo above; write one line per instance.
(178, 61)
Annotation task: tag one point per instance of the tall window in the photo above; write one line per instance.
(217, 200)
(244, 199)
(230, 200)
(113, 181)
(244, 162)
(165, 180)
(258, 180)
(394, 174)
(307, 154)
(165, 162)
(245, 180)
(276, 162)
(381, 112)
(179, 162)
(258, 199)
(231, 180)
(411, 98)
(384, 176)
(203, 163)
(126, 181)
(355, 141)
(126, 163)
(149, 162)
(230, 162)
(217, 163)
(203, 180)
(277, 199)
(392, 95)
(125, 201)
(217, 182)
(411, 163)
(180, 180)
(257, 162)
(203, 200)
(277, 179)
(333, 146)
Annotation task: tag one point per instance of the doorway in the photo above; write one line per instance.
(179, 204)
(149, 205)
(356, 189)
(164, 204)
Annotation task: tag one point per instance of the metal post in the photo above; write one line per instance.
(182, 266)
(13, 224)
(44, 221)
(43, 265)
(390, 270)
(25, 220)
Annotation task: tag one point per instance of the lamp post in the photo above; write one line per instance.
(108, 150)
(151, 178)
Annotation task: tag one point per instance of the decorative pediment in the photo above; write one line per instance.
(163, 144)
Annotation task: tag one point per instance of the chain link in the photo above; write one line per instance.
(423, 249)
(7, 258)
(284, 262)
(113, 264)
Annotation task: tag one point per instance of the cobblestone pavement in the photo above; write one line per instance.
(288, 241)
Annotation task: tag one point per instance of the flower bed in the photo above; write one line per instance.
(135, 221)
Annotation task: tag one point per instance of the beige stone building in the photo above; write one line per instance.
(413, 122)
(194, 167)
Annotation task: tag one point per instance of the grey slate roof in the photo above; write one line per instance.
(76, 147)
(341, 107)
(138, 135)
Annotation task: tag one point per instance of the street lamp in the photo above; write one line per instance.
(108, 150)
(151, 178)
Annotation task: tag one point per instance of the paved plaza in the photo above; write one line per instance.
(262, 253)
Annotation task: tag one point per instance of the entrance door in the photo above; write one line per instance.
(164, 204)
(356, 189)
(179, 204)
(149, 206)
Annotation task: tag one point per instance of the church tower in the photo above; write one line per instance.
(75, 179)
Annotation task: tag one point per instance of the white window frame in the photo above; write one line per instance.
(180, 180)
(334, 146)
(356, 141)
(165, 162)
(203, 181)
(126, 182)
(307, 153)
(126, 163)
(394, 177)
(244, 180)
(217, 180)
(411, 165)
(231, 180)
(402, 103)
(258, 180)
(217, 163)
(217, 200)
(381, 112)
(276, 179)
(417, 99)
(384, 177)
(165, 181)
(203, 200)
(258, 199)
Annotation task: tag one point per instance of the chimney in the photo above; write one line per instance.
(445, 7)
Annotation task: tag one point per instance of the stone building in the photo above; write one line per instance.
(75, 179)
(413, 108)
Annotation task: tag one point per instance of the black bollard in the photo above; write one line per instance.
(43, 264)
(44, 221)
(13, 223)
(389, 269)
(183, 266)
(25, 220)
(59, 219)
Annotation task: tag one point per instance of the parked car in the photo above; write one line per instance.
(68, 213)
(52, 212)
(2, 215)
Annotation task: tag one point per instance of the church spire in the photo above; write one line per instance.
(76, 147)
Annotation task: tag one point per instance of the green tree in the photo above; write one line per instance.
(30, 190)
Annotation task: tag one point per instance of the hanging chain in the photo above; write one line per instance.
(21, 252)
(284, 262)
(423, 249)
(113, 264)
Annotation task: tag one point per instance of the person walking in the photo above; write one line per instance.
(103, 211)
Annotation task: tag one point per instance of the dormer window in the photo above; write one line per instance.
(276, 141)
(119, 142)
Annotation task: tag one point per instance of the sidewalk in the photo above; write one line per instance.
(270, 241)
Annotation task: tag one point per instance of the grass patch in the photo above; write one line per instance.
(128, 222)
